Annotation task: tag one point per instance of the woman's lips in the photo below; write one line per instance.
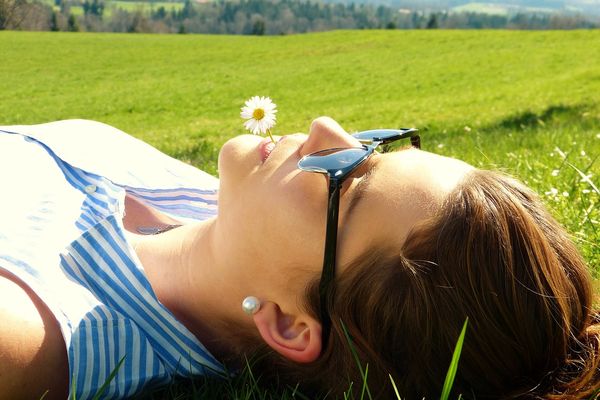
(265, 148)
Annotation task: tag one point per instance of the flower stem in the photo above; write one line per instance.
(271, 136)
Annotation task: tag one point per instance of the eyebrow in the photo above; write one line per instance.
(361, 188)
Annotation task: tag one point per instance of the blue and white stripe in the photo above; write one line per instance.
(184, 203)
(84, 268)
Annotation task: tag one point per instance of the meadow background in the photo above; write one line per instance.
(525, 102)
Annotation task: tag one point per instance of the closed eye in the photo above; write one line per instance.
(362, 187)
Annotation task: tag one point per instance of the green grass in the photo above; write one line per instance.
(183, 93)
(144, 6)
(499, 9)
(524, 102)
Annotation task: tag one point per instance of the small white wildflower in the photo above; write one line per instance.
(552, 192)
(585, 191)
(467, 128)
(440, 146)
(565, 194)
(259, 113)
(555, 172)
(582, 153)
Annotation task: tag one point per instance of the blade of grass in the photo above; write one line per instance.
(73, 389)
(348, 394)
(585, 178)
(449, 381)
(297, 393)
(355, 355)
(395, 388)
(112, 375)
(254, 382)
(365, 386)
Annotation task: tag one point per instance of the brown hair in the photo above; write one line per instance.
(492, 254)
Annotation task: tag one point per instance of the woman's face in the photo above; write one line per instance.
(272, 215)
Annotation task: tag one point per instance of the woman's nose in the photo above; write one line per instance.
(325, 133)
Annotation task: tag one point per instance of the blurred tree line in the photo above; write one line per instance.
(260, 17)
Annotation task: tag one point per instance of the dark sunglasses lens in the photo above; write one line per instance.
(383, 135)
(331, 159)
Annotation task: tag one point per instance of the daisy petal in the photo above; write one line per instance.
(262, 121)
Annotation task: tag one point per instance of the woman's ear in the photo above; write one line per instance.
(297, 338)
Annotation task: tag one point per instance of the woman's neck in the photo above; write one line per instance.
(188, 279)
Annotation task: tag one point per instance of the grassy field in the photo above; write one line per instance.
(499, 9)
(145, 7)
(524, 102)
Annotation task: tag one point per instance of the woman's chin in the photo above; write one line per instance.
(238, 156)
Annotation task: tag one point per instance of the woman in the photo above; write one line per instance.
(146, 278)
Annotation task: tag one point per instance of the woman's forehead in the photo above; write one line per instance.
(405, 187)
(419, 170)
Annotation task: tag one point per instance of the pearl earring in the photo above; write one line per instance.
(251, 305)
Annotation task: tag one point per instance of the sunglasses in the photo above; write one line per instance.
(338, 164)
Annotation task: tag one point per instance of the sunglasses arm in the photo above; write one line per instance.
(328, 272)
(415, 141)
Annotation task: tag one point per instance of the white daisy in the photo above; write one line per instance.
(259, 113)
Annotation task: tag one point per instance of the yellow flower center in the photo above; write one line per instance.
(258, 114)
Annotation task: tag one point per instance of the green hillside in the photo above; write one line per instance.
(144, 7)
(526, 102)
(498, 9)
